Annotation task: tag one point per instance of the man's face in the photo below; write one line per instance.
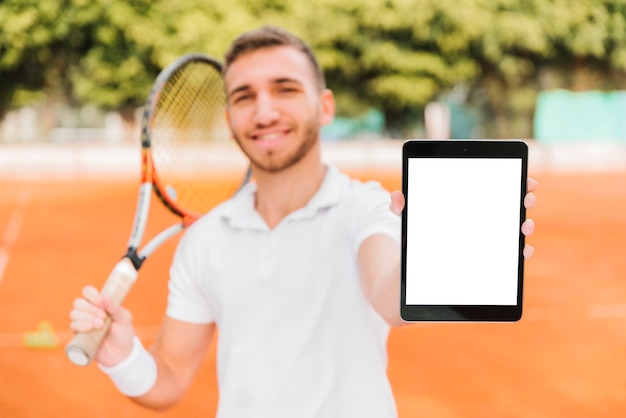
(275, 108)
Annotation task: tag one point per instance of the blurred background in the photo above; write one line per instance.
(74, 75)
(78, 70)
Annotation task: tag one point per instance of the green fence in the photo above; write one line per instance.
(563, 115)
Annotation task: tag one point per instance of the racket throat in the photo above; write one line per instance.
(136, 259)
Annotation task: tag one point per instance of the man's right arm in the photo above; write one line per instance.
(176, 354)
(178, 351)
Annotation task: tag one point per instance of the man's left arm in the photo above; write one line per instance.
(379, 262)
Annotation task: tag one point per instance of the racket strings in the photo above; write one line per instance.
(197, 163)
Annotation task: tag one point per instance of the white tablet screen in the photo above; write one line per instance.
(462, 231)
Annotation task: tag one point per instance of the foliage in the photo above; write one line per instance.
(393, 55)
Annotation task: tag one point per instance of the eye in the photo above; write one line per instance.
(287, 87)
(240, 98)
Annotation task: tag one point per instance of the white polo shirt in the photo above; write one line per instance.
(297, 336)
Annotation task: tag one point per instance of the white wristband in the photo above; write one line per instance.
(135, 375)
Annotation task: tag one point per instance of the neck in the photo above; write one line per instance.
(281, 193)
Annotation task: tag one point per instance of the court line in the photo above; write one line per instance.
(13, 228)
(16, 340)
(594, 311)
(605, 311)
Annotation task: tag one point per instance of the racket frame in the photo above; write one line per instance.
(83, 346)
(150, 180)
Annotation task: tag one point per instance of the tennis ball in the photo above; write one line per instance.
(43, 338)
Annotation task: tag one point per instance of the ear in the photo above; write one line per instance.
(327, 107)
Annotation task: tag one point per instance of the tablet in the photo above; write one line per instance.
(462, 245)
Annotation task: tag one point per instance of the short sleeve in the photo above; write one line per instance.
(373, 215)
(187, 299)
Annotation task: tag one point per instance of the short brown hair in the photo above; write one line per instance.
(267, 37)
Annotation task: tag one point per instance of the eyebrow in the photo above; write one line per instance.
(238, 90)
(279, 81)
(285, 80)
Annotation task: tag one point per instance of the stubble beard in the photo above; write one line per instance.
(272, 163)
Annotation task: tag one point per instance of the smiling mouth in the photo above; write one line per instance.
(268, 137)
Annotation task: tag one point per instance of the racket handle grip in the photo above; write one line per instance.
(83, 346)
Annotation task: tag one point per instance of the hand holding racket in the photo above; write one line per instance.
(190, 161)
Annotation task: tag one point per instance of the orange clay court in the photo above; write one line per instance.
(566, 358)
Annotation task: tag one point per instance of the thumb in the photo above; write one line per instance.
(118, 343)
(118, 314)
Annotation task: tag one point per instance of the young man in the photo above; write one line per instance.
(300, 271)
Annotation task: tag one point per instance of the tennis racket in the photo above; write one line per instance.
(187, 158)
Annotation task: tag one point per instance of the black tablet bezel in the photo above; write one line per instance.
(464, 149)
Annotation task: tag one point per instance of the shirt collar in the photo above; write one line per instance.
(240, 212)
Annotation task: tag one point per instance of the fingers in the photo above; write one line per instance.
(528, 251)
(397, 203)
(531, 184)
(528, 227)
(87, 312)
(86, 315)
(529, 200)
(90, 311)
(84, 319)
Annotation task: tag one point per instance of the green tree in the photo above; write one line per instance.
(79, 50)
(393, 55)
(104, 52)
(32, 38)
(531, 45)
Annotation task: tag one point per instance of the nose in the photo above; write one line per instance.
(266, 112)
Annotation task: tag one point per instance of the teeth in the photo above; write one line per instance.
(268, 137)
